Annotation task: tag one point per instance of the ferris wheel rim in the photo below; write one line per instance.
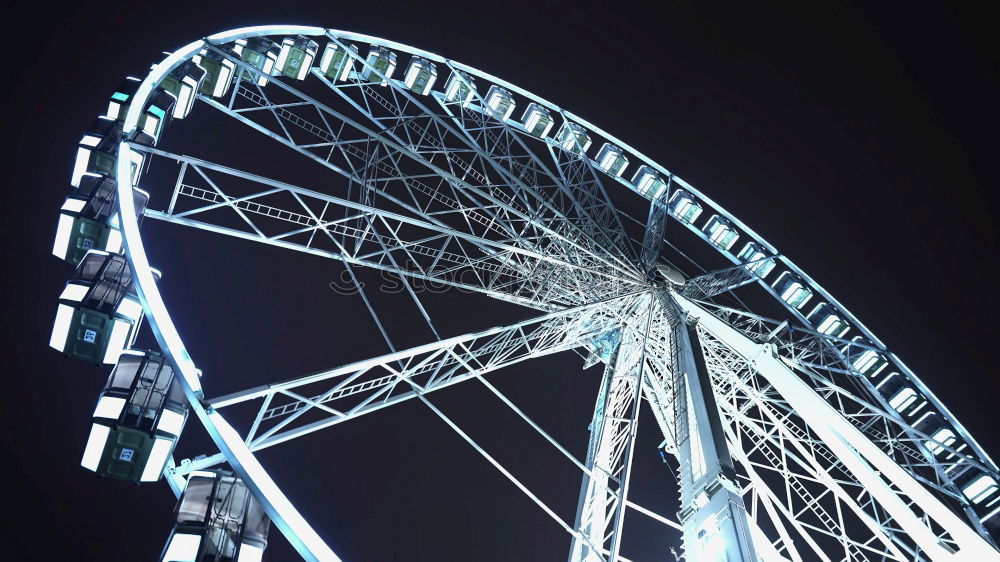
(170, 340)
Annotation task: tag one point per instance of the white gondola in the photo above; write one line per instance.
(792, 290)
(420, 75)
(296, 57)
(903, 399)
(336, 63)
(120, 99)
(98, 149)
(866, 361)
(612, 160)
(154, 119)
(827, 320)
(684, 207)
(259, 53)
(88, 219)
(381, 59)
(183, 83)
(219, 72)
(138, 418)
(98, 313)
(460, 87)
(537, 120)
(158, 111)
(573, 138)
(754, 252)
(721, 232)
(980, 488)
(649, 183)
(940, 439)
(218, 519)
(500, 101)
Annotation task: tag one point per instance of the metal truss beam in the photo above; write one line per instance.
(604, 491)
(824, 359)
(307, 404)
(358, 233)
(723, 280)
(712, 511)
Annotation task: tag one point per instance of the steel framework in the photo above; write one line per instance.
(790, 437)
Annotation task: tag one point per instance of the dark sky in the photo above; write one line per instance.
(860, 141)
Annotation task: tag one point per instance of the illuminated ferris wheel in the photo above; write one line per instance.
(794, 433)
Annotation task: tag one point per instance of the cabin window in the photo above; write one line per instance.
(980, 489)
(537, 120)
(903, 399)
(460, 87)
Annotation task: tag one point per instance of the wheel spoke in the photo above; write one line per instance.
(432, 251)
(370, 385)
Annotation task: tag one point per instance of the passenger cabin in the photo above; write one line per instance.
(460, 87)
(420, 76)
(381, 59)
(98, 150)
(573, 138)
(155, 117)
(219, 72)
(943, 437)
(217, 519)
(792, 290)
(500, 101)
(926, 422)
(138, 418)
(612, 160)
(888, 380)
(261, 54)
(684, 207)
(866, 361)
(296, 57)
(88, 219)
(979, 488)
(537, 120)
(336, 63)
(754, 252)
(184, 83)
(649, 183)
(903, 398)
(98, 313)
(827, 320)
(900, 395)
(721, 232)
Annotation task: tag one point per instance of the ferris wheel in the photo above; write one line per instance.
(795, 433)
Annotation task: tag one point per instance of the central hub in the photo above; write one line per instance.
(664, 273)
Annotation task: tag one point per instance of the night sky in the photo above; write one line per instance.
(860, 141)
